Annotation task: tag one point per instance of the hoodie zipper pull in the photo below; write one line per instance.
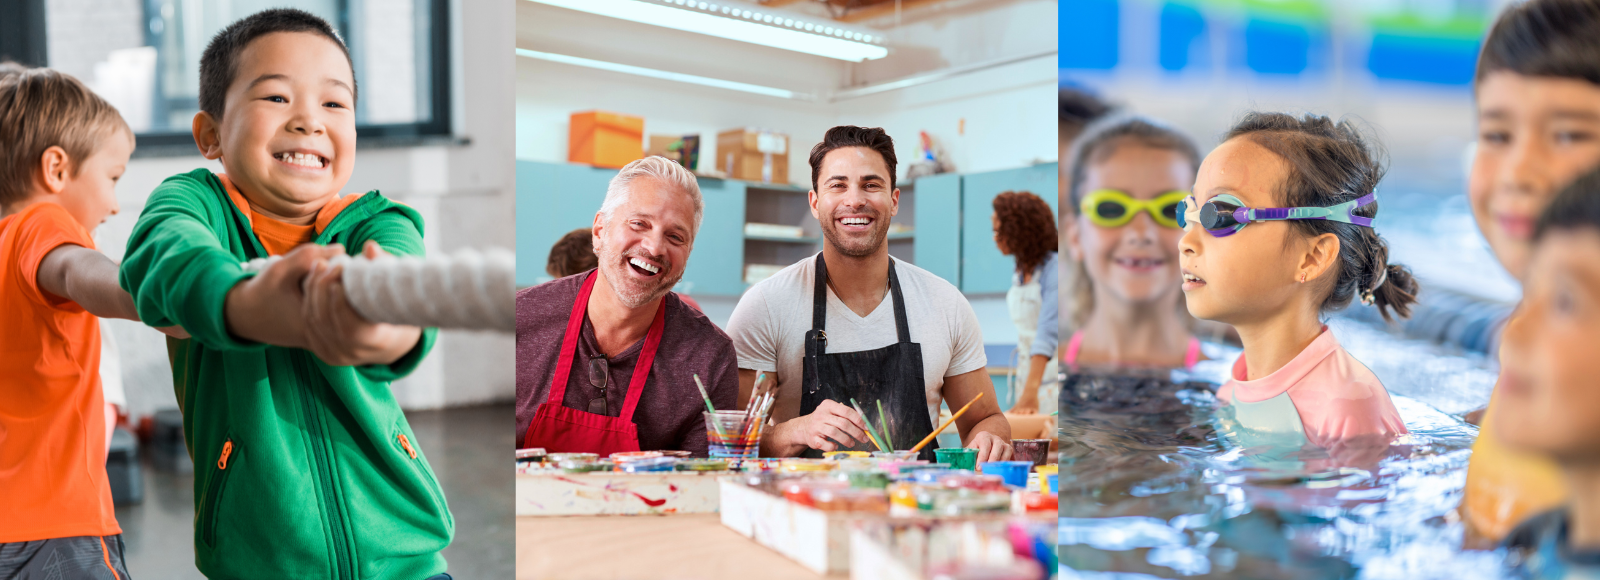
(406, 443)
(227, 449)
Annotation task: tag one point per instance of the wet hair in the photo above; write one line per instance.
(873, 138)
(1577, 206)
(572, 254)
(42, 108)
(1331, 163)
(1098, 142)
(1545, 38)
(1077, 108)
(219, 64)
(1027, 228)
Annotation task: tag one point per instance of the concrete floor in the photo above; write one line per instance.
(469, 449)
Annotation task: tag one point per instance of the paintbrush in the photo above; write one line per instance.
(946, 423)
(883, 419)
(707, 398)
(874, 438)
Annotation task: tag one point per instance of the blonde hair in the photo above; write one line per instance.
(42, 108)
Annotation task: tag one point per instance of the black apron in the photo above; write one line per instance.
(891, 375)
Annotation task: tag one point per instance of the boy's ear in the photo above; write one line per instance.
(55, 166)
(206, 136)
(1322, 252)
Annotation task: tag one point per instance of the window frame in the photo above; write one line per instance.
(438, 127)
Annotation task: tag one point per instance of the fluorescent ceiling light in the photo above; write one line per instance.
(736, 23)
(665, 75)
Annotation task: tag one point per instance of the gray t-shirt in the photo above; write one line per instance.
(769, 326)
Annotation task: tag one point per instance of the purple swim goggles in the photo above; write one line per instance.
(1225, 214)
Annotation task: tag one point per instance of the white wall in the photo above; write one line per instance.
(1008, 111)
(466, 194)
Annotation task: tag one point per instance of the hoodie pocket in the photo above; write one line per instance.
(226, 460)
(407, 446)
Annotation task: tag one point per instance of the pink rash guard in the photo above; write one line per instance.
(1336, 397)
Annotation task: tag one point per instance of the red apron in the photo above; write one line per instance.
(560, 429)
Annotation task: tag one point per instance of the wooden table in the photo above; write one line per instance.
(682, 546)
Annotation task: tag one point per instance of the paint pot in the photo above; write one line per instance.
(978, 481)
(852, 464)
(837, 455)
(934, 475)
(557, 458)
(902, 499)
(623, 457)
(904, 467)
(702, 465)
(915, 468)
(1052, 479)
(678, 453)
(530, 455)
(1013, 472)
(850, 500)
(586, 465)
(895, 455)
(957, 457)
(732, 434)
(974, 503)
(868, 479)
(1032, 450)
(649, 465)
(801, 464)
(1039, 502)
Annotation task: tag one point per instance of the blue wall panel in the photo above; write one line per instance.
(1088, 33)
(984, 270)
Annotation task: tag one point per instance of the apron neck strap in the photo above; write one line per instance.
(569, 350)
(819, 300)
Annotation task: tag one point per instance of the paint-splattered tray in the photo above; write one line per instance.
(613, 493)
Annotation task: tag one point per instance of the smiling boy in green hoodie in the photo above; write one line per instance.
(305, 465)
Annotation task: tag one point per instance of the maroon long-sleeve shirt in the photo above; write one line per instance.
(670, 409)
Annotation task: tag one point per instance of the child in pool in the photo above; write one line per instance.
(1538, 107)
(1270, 273)
(1547, 403)
(1128, 175)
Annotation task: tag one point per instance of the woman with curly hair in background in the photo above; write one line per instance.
(1025, 229)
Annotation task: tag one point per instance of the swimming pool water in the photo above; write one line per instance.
(1148, 491)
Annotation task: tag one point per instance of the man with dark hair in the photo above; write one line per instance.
(832, 332)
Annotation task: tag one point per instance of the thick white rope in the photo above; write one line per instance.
(469, 290)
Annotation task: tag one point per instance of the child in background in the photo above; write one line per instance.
(1278, 231)
(1547, 401)
(64, 150)
(1538, 105)
(305, 467)
(1129, 173)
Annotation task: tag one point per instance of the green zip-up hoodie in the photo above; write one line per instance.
(302, 470)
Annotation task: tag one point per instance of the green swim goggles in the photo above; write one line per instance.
(1109, 208)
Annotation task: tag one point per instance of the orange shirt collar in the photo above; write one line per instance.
(325, 215)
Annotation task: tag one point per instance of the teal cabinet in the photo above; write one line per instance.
(984, 270)
(938, 217)
(716, 264)
(553, 199)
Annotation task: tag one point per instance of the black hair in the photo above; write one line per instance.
(1077, 108)
(220, 61)
(873, 138)
(1576, 206)
(1545, 38)
(1331, 163)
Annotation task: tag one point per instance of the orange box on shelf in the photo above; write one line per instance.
(605, 139)
(754, 155)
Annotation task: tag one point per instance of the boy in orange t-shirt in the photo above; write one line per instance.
(65, 150)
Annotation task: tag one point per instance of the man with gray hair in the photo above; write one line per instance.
(606, 358)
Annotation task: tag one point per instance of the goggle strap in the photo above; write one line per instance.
(1344, 212)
